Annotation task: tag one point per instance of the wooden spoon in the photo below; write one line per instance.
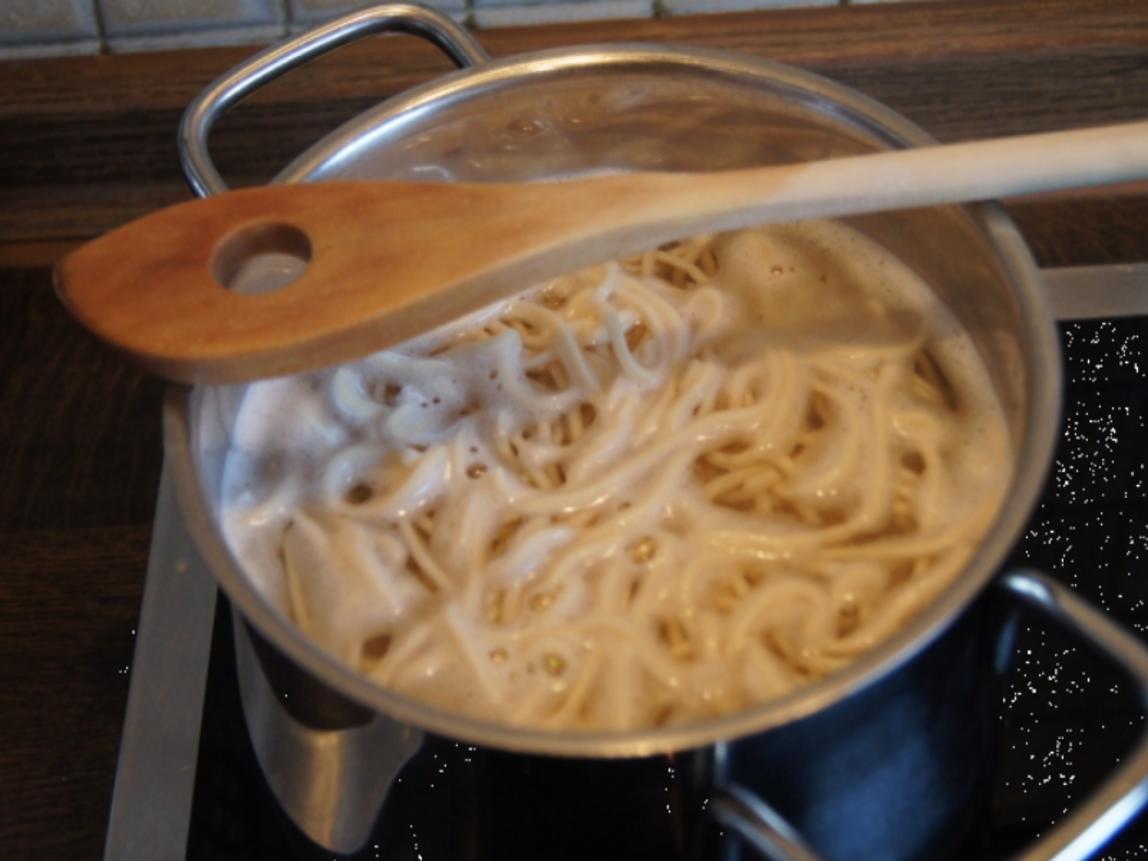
(388, 260)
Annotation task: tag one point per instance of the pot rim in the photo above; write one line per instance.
(1033, 456)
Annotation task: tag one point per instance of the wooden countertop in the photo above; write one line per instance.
(86, 143)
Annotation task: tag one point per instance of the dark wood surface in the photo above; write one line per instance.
(87, 143)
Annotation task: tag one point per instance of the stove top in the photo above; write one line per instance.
(188, 785)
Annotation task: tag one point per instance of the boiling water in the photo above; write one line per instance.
(643, 494)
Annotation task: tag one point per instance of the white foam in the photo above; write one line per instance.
(428, 418)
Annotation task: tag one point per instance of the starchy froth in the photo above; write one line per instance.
(647, 493)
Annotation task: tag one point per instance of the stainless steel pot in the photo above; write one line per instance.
(882, 760)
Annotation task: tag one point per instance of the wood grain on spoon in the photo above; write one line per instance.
(387, 261)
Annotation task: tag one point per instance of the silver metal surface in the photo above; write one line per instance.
(581, 111)
(759, 825)
(575, 111)
(1095, 292)
(330, 781)
(333, 782)
(155, 775)
(1080, 834)
(201, 115)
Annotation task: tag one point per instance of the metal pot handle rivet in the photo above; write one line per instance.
(1090, 825)
(243, 80)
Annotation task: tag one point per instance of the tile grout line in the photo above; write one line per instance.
(101, 28)
(294, 17)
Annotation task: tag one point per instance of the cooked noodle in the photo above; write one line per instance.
(647, 493)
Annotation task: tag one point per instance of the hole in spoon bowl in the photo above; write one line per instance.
(260, 258)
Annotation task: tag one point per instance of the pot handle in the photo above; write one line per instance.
(759, 825)
(246, 78)
(1090, 825)
(1100, 816)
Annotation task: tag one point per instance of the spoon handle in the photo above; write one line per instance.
(383, 262)
(926, 176)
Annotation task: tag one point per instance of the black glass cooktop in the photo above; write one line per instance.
(1064, 719)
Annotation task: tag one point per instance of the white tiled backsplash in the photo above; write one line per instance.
(58, 27)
